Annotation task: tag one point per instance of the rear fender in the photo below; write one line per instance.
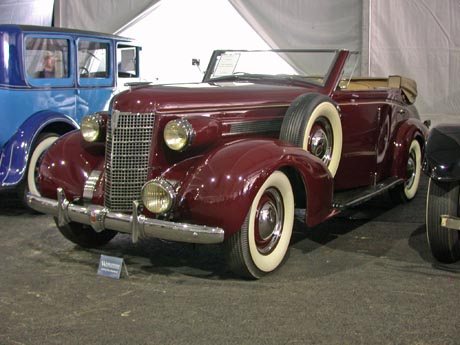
(407, 131)
(442, 156)
(15, 153)
(222, 185)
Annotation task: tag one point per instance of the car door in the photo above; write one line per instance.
(361, 120)
(95, 75)
(49, 71)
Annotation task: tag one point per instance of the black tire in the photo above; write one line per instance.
(29, 182)
(261, 245)
(406, 192)
(84, 235)
(309, 112)
(442, 199)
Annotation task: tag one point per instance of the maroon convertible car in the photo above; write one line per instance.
(229, 159)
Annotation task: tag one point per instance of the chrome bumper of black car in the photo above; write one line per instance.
(450, 222)
(139, 226)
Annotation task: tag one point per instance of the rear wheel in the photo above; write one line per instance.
(407, 191)
(442, 199)
(261, 244)
(84, 235)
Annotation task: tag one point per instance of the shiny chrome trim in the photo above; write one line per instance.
(450, 222)
(166, 186)
(135, 224)
(97, 119)
(189, 131)
(256, 126)
(90, 185)
(220, 109)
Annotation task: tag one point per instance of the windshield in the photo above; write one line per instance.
(299, 65)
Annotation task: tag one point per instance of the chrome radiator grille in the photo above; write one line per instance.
(129, 139)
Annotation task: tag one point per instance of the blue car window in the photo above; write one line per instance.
(47, 58)
(93, 59)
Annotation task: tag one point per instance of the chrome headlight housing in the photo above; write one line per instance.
(158, 195)
(91, 127)
(178, 134)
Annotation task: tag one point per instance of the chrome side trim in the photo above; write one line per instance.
(225, 109)
(258, 126)
(450, 222)
(135, 224)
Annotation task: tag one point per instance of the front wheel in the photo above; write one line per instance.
(442, 199)
(84, 235)
(261, 244)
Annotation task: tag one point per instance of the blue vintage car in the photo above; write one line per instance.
(49, 79)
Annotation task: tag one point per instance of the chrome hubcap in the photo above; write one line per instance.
(269, 221)
(321, 140)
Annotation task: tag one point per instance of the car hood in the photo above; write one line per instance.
(206, 96)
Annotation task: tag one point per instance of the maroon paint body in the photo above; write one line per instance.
(218, 177)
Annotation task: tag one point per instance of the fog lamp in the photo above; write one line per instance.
(91, 127)
(178, 134)
(158, 195)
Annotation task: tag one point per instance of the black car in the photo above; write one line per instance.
(442, 165)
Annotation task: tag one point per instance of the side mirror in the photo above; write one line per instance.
(196, 62)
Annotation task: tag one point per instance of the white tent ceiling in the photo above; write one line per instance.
(415, 38)
(102, 15)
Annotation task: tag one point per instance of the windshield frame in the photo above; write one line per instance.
(214, 59)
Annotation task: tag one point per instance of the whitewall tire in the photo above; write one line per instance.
(407, 191)
(262, 243)
(313, 123)
(44, 141)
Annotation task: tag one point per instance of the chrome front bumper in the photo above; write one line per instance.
(139, 226)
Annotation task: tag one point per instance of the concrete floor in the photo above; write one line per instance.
(366, 277)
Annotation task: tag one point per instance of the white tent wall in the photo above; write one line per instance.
(305, 23)
(101, 15)
(421, 40)
(415, 38)
(30, 12)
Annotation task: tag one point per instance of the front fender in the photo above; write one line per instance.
(68, 163)
(442, 155)
(15, 153)
(220, 189)
(407, 131)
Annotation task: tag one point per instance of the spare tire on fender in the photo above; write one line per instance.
(312, 122)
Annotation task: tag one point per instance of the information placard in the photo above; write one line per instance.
(111, 266)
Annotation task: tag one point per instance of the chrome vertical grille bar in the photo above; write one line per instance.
(128, 143)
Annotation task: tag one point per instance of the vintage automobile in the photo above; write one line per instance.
(229, 159)
(442, 165)
(49, 79)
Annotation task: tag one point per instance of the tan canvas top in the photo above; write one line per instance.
(407, 86)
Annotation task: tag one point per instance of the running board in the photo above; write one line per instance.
(349, 198)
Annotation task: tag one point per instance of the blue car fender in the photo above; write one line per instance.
(15, 153)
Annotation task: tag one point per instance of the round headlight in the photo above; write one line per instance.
(158, 196)
(91, 127)
(178, 134)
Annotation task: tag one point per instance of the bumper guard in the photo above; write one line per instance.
(139, 226)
